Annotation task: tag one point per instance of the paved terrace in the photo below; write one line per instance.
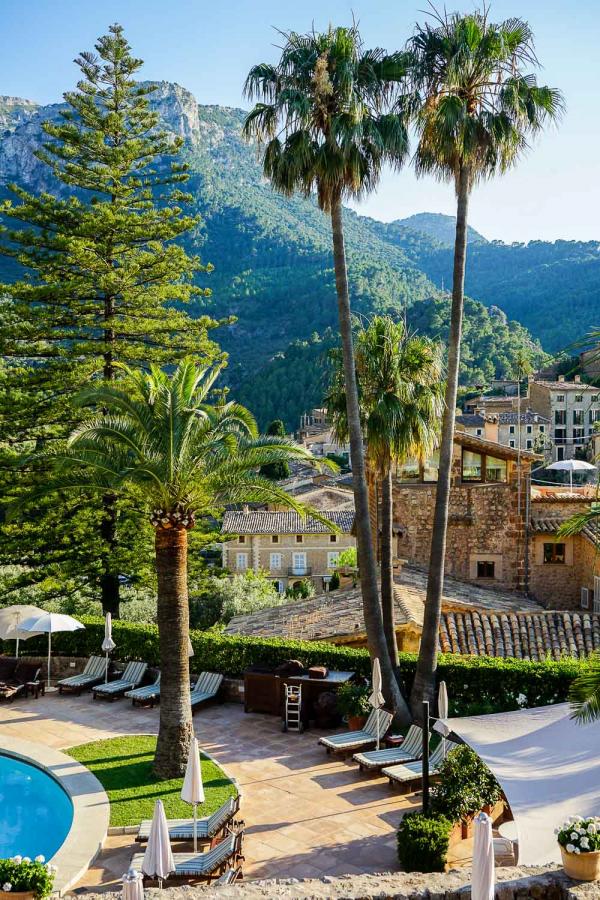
(307, 814)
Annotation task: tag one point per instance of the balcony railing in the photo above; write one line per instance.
(299, 570)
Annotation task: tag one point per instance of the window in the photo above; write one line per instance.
(554, 554)
(560, 417)
(409, 471)
(579, 435)
(594, 416)
(241, 561)
(560, 435)
(242, 539)
(479, 432)
(332, 559)
(495, 469)
(529, 444)
(485, 569)
(471, 466)
(279, 586)
(511, 429)
(274, 538)
(530, 429)
(560, 453)
(299, 538)
(511, 444)
(577, 417)
(431, 467)
(578, 398)
(542, 429)
(333, 538)
(560, 398)
(594, 398)
(299, 564)
(275, 561)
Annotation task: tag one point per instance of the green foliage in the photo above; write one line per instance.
(300, 590)
(280, 470)
(334, 583)
(353, 699)
(465, 785)
(423, 842)
(242, 594)
(580, 835)
(585, 692)
(348, 557)
(23, 874)
(123, 766)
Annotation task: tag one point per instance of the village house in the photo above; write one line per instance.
(315, 433)
(527, 430)
(573, 409)
(287, 547)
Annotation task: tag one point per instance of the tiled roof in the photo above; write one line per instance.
(471, 420)
(526, 635)
(503, 451)
(527, 418)
(577, 386)
(266, 522)
(551, 524)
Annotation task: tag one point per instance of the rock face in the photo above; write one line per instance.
(14, 111)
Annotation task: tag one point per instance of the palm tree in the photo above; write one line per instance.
(400, 388)
(585, 693)
(158, 438)
(321, 124)
(474, 107)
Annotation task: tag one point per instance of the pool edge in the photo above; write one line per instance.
(91, 809)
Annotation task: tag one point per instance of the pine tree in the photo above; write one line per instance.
(102, 279)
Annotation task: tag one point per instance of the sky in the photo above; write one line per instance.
(208, 47)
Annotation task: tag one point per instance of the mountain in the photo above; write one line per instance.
(440, 227)
(273, 261)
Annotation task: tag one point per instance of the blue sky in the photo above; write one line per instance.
(208, 47)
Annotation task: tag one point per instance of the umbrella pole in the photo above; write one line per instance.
(425, 767)
(571, 481)
(195, 828)
(106, 669)
(49, 652)
(17, 651)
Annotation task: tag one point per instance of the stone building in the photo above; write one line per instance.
(528, 430)
(573, 409)
(287, 547)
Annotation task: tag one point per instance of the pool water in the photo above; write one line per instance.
(35, 812)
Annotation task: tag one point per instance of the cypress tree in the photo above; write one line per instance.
(102, 280)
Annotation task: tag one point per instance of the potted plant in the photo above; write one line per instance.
(466, 786)
(353, 703)
(24, 879)
(579, 841)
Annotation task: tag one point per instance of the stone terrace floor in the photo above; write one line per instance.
(307, 814)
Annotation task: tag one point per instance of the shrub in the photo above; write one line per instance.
(466, 785)
(578, 835)
(301, 590)
(243, 594)
(353, 699)
(423, 842)
(24, 874)
(348, 557)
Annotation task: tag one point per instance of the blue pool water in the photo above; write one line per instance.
(35, 812)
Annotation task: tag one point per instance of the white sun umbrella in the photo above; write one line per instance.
(570, 466)
(190, 648)
(50, 623)
(376, 699)
(158, 859)
(483, 875)
(192, 790)
(443, 708)
(107, 644)
(11, 618)
(133, 886)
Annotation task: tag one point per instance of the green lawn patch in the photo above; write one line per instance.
(123, 766)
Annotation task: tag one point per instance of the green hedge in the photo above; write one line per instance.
(423, 842)
(475, 684)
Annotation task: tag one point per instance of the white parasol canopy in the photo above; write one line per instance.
(547, 764)
(192, 790)
(443, 708)
(50, 623)
(376, 699)
(483, 878)
(11, 618)
(107, 644)
(158, 859)
(570, 466)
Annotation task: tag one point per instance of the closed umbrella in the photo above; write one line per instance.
(570, 466)
(483, 878)
(107, 644)
(443, 708)
(192, 790)
(158, 859)
(50, 623)
(133, 886)
(11, 618)
(376, 699)
(190, 648)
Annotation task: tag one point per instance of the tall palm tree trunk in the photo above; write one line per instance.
(424, 683)
(175, 727)
(387, 564)
(366, 557)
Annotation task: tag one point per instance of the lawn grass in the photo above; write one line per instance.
(123, 766)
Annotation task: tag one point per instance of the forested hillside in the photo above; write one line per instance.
(273, 265)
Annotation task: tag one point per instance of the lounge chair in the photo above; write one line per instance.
(147, 694)
(93, 674)
(131, 677)
(413, 771)
(206, 828)
(410, 749)
(230, 876)
(206, 688)
(15, 685)
(206, 866)
(378, 723)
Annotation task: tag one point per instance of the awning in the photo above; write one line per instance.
(548, 766)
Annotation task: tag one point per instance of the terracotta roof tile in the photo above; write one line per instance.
(265, 522)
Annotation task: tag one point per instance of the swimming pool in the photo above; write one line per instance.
(35, 811)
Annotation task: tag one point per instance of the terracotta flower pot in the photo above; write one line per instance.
(17, 895)
(355, 723)
(581, 866)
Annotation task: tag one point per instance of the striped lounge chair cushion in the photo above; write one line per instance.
(378, 723)
(414, 770)
(147, 692)
(95, 668)
(411, 748)
(132, 676)
(206, 687)
(197, 864)
(183, 829)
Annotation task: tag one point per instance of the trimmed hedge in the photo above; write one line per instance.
(423, 842)
(476, 684)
